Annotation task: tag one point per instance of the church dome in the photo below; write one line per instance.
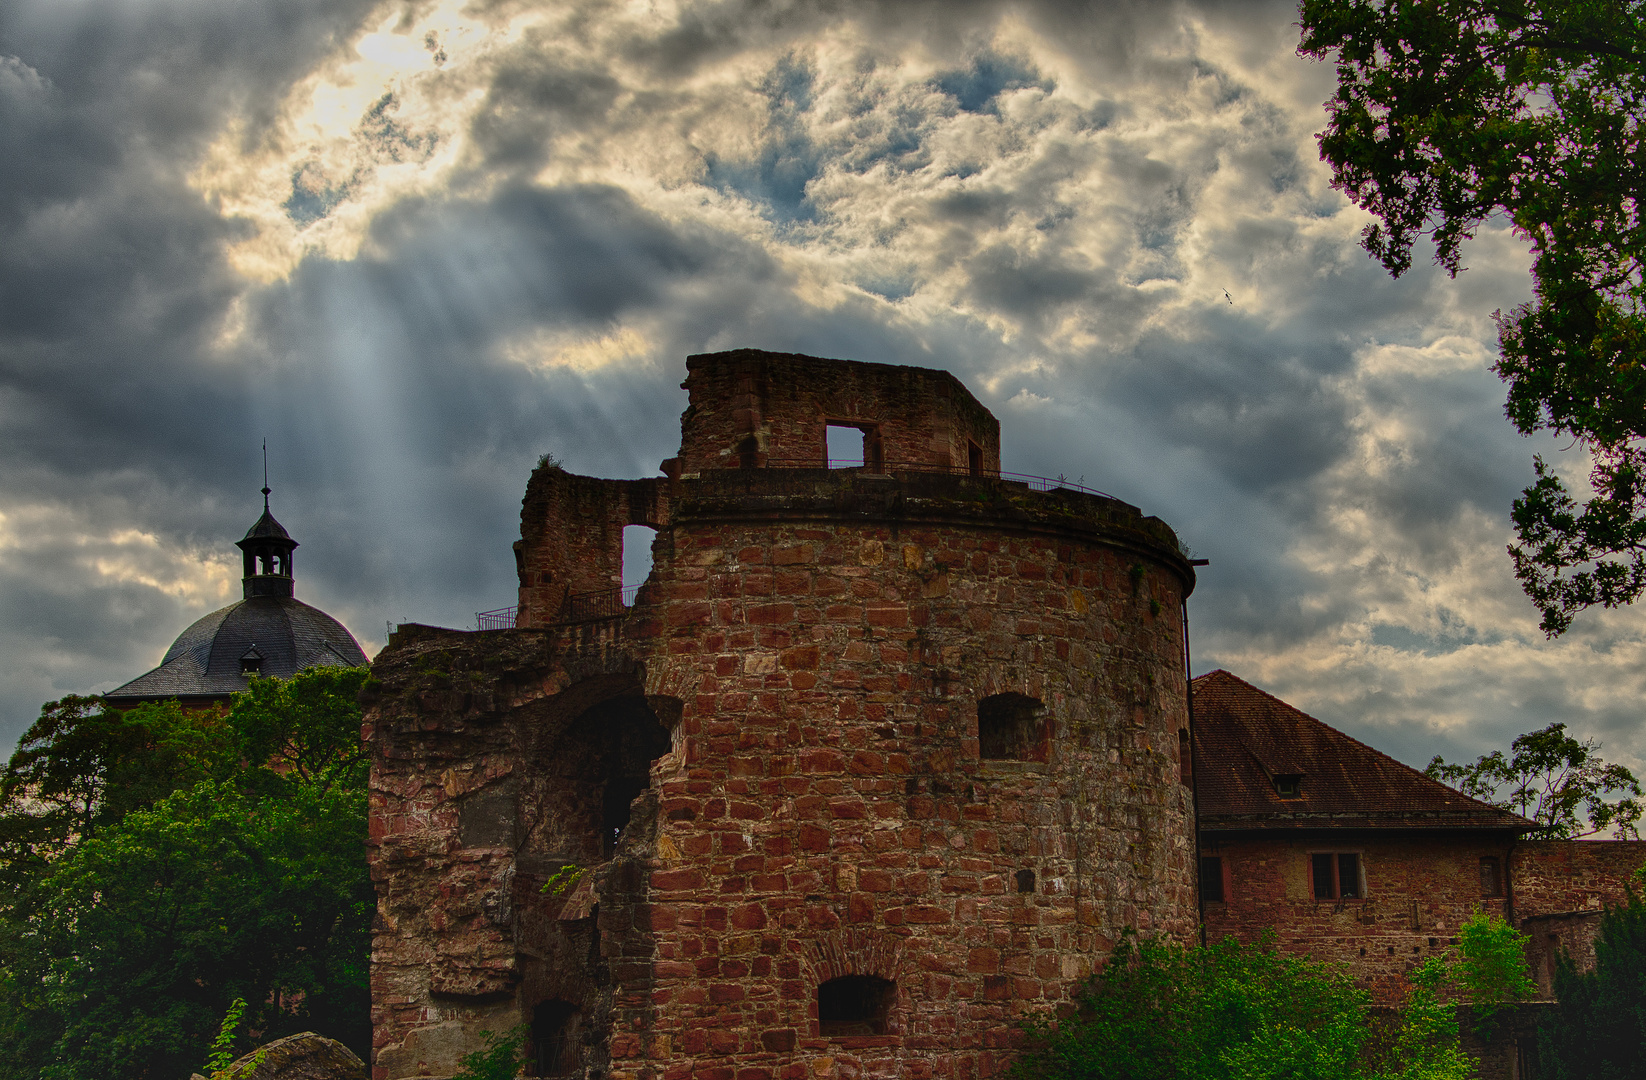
(269, 632)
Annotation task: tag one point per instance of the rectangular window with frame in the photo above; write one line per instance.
(1211, 878)
(1336, 875)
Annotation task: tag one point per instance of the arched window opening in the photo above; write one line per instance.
(1010, 728)
(846, 445)
(855, 1005)
(555, 1043)
(637, 558)
(748, 453)
(1025, 881)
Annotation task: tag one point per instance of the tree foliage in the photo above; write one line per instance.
(161, 864)
(1159, 1011)
(1449, 112)
(1550, 777)
(1598, 1029)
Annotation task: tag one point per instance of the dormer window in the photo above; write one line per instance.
(1289, 785)
(251, 662)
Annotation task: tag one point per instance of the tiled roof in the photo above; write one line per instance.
(1245, 738)
(287, 634)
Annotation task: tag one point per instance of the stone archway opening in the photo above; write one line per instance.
(855, 1005)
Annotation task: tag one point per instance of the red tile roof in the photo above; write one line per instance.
(1244, 738)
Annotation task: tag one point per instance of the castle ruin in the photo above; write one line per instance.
(878, 761)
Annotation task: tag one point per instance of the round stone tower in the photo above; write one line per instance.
(880, 760)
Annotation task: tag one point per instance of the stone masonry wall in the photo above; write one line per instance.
(834, 817)
(1561, 888)
(572, 536)
(1418, 891)
(773, 408)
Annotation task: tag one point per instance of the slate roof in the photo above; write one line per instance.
(1244, 738)
(266, 527)
(204, 661)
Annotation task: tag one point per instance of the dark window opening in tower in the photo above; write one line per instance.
(974, 458)
(597, 768)
(1025, 881)
(846, 446)
(1010, 728)
(637, 558)
(748, 453)
(555, 1049)
(855, 1005)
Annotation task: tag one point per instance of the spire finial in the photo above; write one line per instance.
(265, 476)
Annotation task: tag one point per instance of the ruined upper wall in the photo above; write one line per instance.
(750, 408)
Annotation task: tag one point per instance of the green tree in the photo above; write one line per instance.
(1250, 1012)
(1550, 777)
(1598, 1029)
(1450, 112)
(237, 871)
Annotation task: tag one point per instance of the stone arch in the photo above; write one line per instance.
(854, 951)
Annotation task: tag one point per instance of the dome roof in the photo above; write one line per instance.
(281, 634)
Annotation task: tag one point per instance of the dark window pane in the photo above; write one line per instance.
(1489, 884)
(1323, 866)
(1348, 876)
(1211, 877)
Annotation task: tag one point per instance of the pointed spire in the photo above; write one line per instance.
(265, 474)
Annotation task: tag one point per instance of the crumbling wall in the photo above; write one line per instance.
(919, 734)
(750, 408)
(1561, 888)
(571, 536)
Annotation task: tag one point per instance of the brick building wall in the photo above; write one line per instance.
(874, 767)
(1416, 890)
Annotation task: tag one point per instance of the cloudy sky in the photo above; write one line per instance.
(418, 244)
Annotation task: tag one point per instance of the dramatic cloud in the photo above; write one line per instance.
(417, 244)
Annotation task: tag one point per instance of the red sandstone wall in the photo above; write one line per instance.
(831, 814)
(1419, 890)
(1561, 888)
(571, 530)
(784, 403)
(1557, 876)
(793, 704)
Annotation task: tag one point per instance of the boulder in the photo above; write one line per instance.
(304, 1056)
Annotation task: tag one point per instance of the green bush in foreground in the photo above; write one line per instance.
(1160, 1011)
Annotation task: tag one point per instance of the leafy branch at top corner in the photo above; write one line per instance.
(1450, 113)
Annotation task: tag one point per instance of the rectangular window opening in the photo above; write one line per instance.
(637, 559)
(1336, 876)
(1211, 878)
(974, 458)
(845, 447)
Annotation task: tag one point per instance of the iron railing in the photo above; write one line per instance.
(598, 604)
(884, 468)
(497, 619)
